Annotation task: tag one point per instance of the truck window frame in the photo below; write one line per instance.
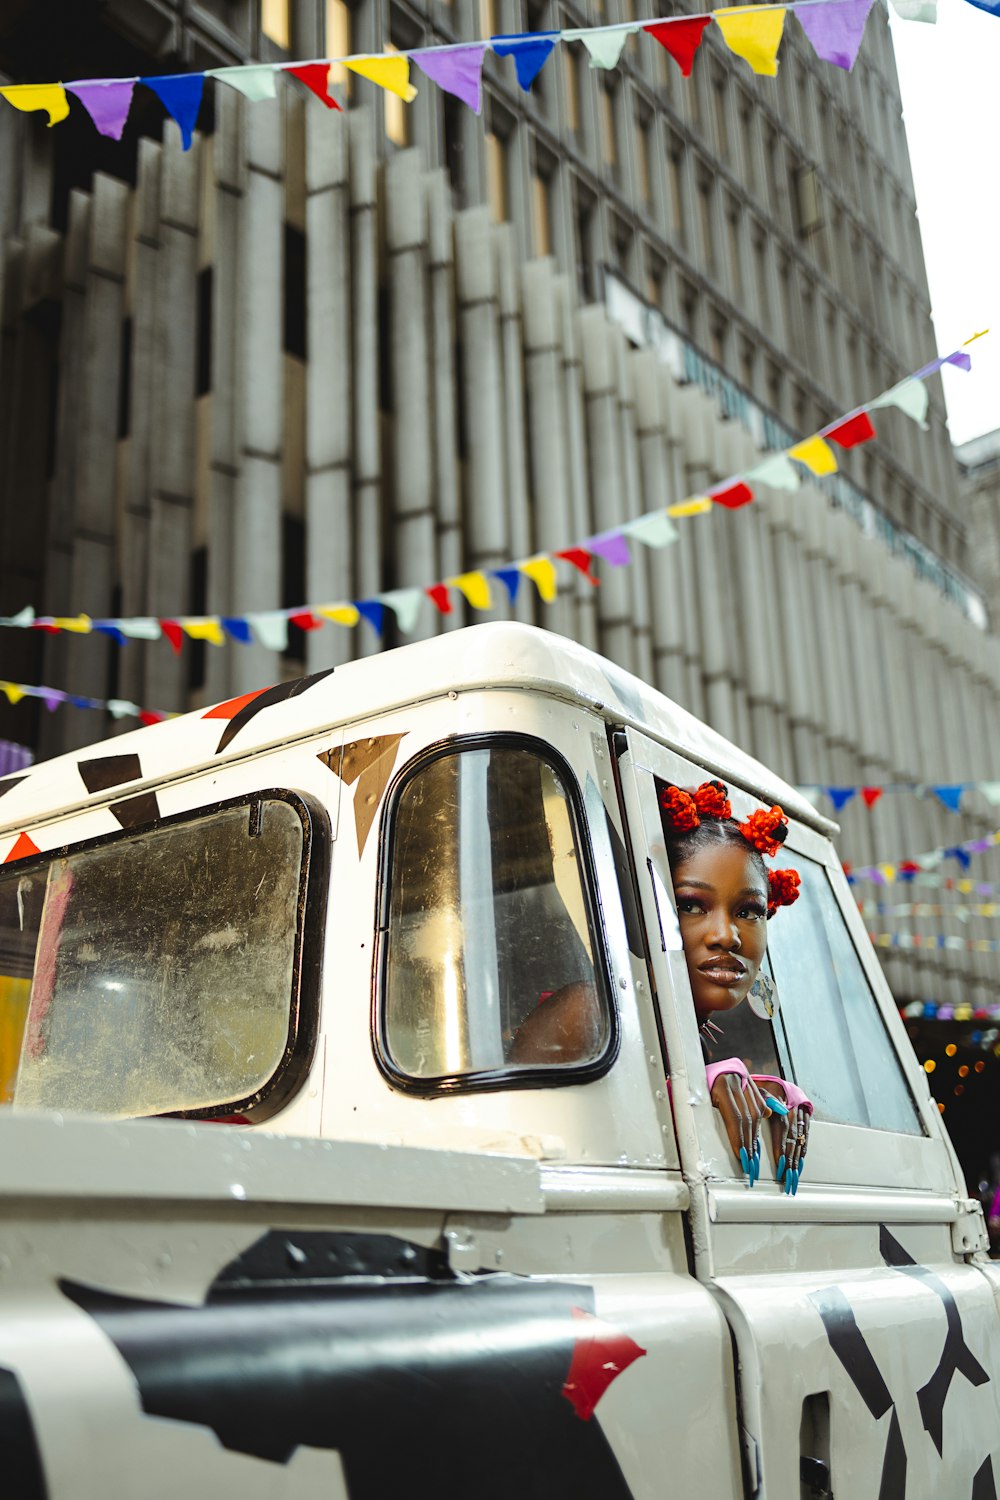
(307, 953)
(489, 1081)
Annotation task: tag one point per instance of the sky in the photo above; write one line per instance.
(949, 76)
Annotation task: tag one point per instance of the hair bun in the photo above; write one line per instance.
(712, 800)
(782, 889)
(766, 830)
(680, 809)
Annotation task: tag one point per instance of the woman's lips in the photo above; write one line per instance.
(727, 975)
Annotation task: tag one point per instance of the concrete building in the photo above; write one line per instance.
(320, 356)
(979, 464)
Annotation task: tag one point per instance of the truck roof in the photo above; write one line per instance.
(496, 655)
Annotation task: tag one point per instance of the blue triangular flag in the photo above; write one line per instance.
(840, 795)
(992, 7)
(530, 51)
(957, 852)
(180, 94)
(510, 578)
(372, 611)
(951, 796)
(238, 628)
(112, 631)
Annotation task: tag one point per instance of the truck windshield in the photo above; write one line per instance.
(153, 973)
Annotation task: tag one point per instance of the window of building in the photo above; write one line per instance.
(496, 176)
(586, 259)
(720, 106)
(609, 136)
(705, 220)
(397, 113)
(275, 22)
(806, 193)
(735, 252)
(540, 213)
(676, 191)
(643, 184)
(830, 1033)
(338, 41)
(571, 80)
(156, 973)
(489, 961)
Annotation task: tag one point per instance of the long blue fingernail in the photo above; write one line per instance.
(775, 1105)
(779, 1174)
(795, 1184)
(744, 1160)
(756, 1148)
(788, 1181)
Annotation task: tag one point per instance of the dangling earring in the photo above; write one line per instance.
(710, 1032)
(762, 999)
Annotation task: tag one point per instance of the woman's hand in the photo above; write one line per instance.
(742, 1110)
(789, 1135)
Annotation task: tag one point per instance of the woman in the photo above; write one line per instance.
(725, 896)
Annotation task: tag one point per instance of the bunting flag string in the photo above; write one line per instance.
(949, 794)
(932, 1010)
(905, 870)
(951, 942)
(53, 698)
(987, 909)
(655, 529)
(834, 29)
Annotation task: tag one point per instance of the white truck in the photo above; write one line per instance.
(287, 1208)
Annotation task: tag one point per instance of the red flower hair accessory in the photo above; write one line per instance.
(765, 830)
(712, 800)
(680, 809)
(782, 889)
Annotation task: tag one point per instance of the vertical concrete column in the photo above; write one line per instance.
(614, 605)
(257, 540)
(329, 519)
(571, 388)
(650, 396)
(631, 508)
(365, 347)
(93, 566)
(171, 454)
(447, 497)
(512, 415)
(225, 189)
(548, 469)
(413, 548)
(486, 494)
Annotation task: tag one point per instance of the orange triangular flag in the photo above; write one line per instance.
(23, 848)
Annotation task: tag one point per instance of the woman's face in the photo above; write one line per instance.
(722, 906)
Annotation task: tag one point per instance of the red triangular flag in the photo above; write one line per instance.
(441, 597)
(581, 559)
(173, 633)
(681, 39)
(855, 430)
(23, 847)
(316, 77)
(871, 794)
(734, 497)
(306, 620)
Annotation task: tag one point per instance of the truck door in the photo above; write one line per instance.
(868, 1344)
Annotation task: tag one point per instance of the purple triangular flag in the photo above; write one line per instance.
(457, 70)
(614, 549)
(52, 698)
(530, 51)
(836, 29)
(960, 359)
(180, 94)
(107, 102)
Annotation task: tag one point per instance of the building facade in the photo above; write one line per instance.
(320, 356)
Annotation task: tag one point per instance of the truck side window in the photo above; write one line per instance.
(154, 973)
(489, 956)
(839, 1049)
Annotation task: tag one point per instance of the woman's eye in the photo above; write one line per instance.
(689, 905)
(755, 913)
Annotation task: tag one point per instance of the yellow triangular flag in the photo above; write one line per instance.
(204, 630)
(48, 96)
(965, 886)
(79, 624)
(817, 455)
(542, 572)
(980, 335)
(340, 614)
(753, 34)
(392, 73)
(696, 507)
(13, 693)
(475, 588)
(889, 871)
